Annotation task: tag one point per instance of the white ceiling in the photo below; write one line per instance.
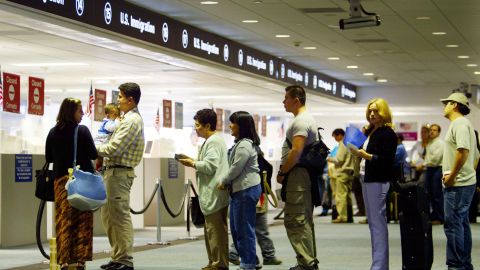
(402, 50)
(408, 55)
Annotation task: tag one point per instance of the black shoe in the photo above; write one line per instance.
(120, 266)
(272, 261)
(107, 265)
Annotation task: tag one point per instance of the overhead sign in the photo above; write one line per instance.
(178, 115)
(264, 126)
(100, 102)
(36, 95)
(11, 92)
(122, 17)
(219, 113)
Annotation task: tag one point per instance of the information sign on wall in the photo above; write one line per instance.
(172, 168)
(178, 115)
(23, 168)
(36, 95)
(264, 126)
(408, 130)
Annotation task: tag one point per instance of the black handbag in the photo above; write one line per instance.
(44, 186)
(196, 213)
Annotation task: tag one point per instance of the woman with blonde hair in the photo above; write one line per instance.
(376, 170)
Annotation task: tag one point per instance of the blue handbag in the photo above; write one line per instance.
(86, 191)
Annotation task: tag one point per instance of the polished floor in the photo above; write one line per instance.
(340, 246)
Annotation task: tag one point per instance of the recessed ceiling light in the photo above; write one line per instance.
(333, 58)
(282, 36)
(65, 64)
(382, 80)
(250, 21)
(209, 2)
(472, 65)
(439, 33)
(310, 48)
(477, 73)
(451, 46)
(463, 57)
(368, 74)
(352, 67)
(423, 18)
(258, 2)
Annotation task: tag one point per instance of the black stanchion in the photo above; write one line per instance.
(189, 205)
(159, 228)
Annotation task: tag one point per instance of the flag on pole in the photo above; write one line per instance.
(157, 120)
(1, 87)
(91, 101)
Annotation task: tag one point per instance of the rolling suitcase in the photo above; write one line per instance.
(415, 228)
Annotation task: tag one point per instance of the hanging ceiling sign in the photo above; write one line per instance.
(124, 18)
(36, 95)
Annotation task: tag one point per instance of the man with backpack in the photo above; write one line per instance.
(296, 182)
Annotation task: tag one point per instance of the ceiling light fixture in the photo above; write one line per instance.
(423, 18)
(282, 36)
(65, 64)
(451, 46)
(333, 58)
(310, 48)
(463, 57)
(352, 67)
(258, 2)
(381, 80)
(368, 74)
(439, 33)
(209, 2)
(477, 73)
(472, 65)
(250, 21)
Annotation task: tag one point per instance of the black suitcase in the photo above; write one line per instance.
(415, 228)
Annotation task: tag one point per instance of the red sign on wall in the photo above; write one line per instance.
(11, 92)
(167, 113)
(264, 126)
(256, 119)
(219, 119)
(99, 105)
(36, 95)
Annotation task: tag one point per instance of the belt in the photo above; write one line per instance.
(118, 167)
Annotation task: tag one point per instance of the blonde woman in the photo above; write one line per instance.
(376, 170)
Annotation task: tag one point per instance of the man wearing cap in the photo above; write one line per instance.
(458, 167)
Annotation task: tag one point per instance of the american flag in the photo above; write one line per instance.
(91, 100)
(1, 88)
(157, 120)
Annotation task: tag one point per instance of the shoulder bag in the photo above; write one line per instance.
(44, 189)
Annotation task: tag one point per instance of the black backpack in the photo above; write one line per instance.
(314, 158)
(264, 165)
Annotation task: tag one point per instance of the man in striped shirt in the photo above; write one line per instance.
(123, 153)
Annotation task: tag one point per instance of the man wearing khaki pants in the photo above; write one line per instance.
(123, 153)
(342, 175)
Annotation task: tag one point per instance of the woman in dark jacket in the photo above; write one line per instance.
(74, 228)
(376, 171)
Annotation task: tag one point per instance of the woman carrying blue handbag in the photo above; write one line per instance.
(74, 228)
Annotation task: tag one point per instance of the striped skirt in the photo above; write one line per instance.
(74, 228)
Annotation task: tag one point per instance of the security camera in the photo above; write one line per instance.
(358, 22)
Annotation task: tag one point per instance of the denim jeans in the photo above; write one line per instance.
(433, 184)
(242, 224)
(457, 227)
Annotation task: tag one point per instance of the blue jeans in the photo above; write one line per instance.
(433, 183)
(457, 227)
(242, 224)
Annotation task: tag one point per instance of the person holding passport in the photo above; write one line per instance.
(211, 165)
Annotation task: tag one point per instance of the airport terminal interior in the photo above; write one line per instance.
(227, 55)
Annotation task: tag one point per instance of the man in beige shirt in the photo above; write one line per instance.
(342, 175)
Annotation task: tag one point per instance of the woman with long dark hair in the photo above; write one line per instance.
(74, 228)
(243, 181)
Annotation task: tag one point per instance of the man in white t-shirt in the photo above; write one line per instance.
(298, 220)
(459, 178)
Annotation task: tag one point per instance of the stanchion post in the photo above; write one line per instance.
(187, 197)
(159, 226)
(53, 254)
